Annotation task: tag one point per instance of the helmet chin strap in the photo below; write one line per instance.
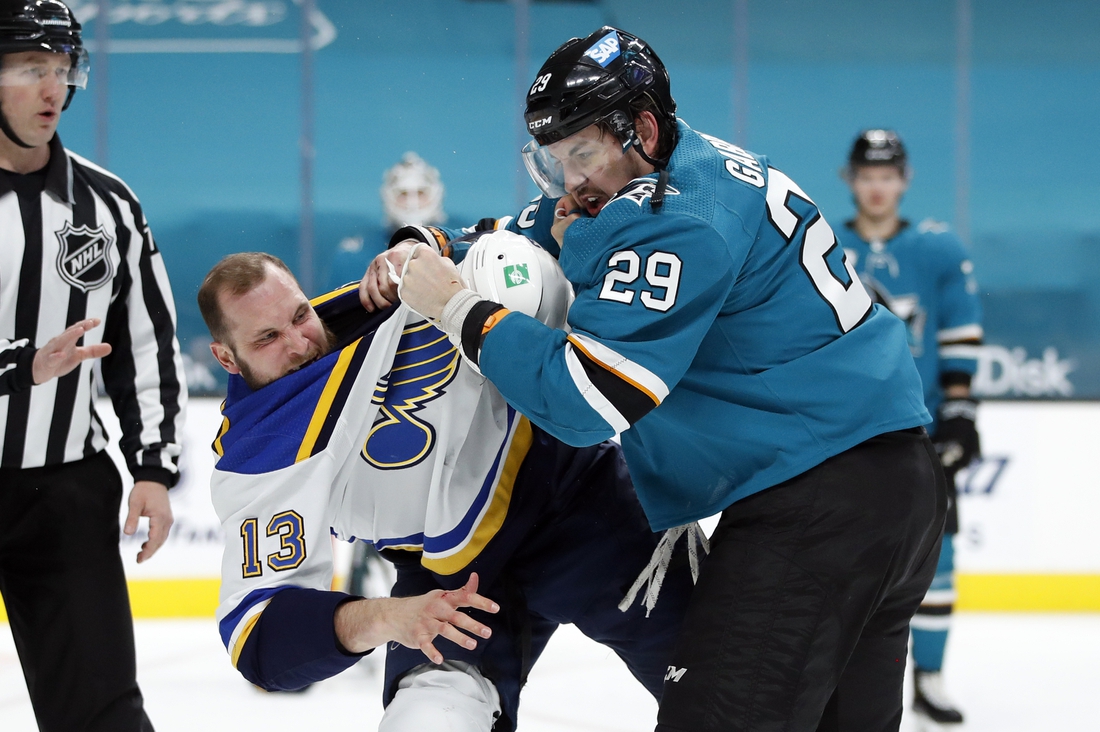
(10, 133)
(658, 198)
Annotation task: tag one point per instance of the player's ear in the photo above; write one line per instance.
(225, 357)
(645, 125)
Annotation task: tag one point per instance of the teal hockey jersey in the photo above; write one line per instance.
(725, 336)
(924, 276)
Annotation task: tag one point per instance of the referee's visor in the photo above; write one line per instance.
(45, 66)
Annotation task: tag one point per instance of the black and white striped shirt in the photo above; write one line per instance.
(81, 248)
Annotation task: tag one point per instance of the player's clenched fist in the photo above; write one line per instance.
(378, 289)
(428, 282)
(414, 622)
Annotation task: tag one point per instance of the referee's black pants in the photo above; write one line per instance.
(800, 619)
(62, 581)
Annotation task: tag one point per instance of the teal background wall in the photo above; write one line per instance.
(209, 141)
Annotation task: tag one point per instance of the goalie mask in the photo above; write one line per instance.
(412, 194)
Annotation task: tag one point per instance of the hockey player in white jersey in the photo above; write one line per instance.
(373, 428)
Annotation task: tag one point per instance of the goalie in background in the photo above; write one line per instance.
(412, 195)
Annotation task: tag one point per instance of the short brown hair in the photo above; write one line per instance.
(667, 134)
(237, 274)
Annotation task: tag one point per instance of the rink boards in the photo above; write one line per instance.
(1028, 517)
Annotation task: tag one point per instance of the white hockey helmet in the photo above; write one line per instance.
(519, 274)
(412, 194)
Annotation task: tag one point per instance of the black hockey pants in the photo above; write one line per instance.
(800, 620)
(65, 591)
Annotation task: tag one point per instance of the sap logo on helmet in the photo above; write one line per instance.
(675, 674)
(538, 123)
(606, 49)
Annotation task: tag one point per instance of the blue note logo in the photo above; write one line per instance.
(606, 49)
(425, 363)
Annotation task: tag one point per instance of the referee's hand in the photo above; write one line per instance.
(149, 498)
(62, 354)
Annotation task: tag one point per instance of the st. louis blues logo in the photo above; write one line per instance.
(84, 257)
(425, 363)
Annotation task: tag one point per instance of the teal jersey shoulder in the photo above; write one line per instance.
(924, 275)
(724, 336)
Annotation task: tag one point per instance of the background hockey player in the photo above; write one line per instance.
(80, 279)
(718, 327)
(923, 274)
(392, 438)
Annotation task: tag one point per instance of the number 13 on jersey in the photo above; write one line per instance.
(289, 527)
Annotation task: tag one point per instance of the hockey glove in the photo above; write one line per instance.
(956, 437)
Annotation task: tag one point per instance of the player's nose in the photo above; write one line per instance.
(574, 180)
(297, 342)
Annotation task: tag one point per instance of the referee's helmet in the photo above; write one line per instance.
(45, 25)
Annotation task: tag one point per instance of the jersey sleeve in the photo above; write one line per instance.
(959, 330)
(642, 309)
(16, 365)
(276, 611)
(144, 372)
(277, 489)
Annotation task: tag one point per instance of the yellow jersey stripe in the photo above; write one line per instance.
(324, 404)
(221, 433)
(334, 294)
(239, 645)
(498, 508)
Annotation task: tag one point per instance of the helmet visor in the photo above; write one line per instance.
(58, 67)
(563, 166)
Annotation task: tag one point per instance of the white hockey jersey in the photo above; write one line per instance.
(392, 439)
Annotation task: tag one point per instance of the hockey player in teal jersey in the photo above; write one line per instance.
(374, 429)
(720, 329)
(923, 274)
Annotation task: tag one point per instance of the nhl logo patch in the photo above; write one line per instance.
(83, 257)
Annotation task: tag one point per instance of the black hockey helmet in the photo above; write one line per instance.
(594, 79)
(43, 25)
(877, 147)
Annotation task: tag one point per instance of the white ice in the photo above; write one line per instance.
(1008, 672)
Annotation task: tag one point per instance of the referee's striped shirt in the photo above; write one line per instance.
(80, 249)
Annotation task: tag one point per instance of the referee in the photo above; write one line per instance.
(80, 280)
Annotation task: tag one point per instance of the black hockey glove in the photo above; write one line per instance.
(956, 437)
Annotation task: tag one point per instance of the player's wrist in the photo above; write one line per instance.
(457, 309)
(360, 624)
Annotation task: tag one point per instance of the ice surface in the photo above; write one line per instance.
(1008, 673)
